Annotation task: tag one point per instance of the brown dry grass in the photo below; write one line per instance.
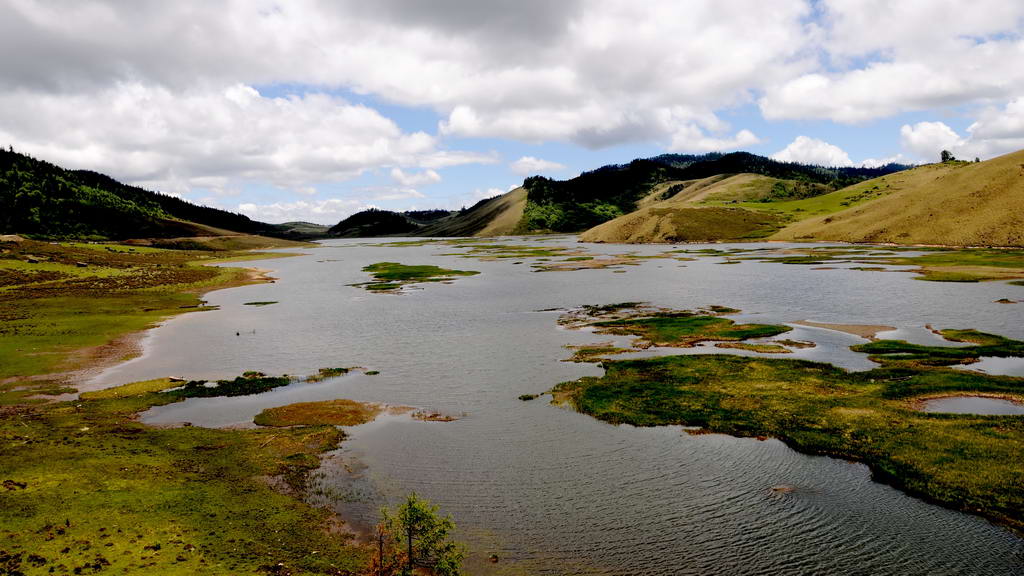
(955, 204)
(509, 212)
(868, 331)
(340, 412)
(680, 219)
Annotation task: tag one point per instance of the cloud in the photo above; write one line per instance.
(927, 139)
(596, 73)
(415, 179)
(690, 138)
(177, 94)
(389, 193)
(329, 211)
(205, 138)
(879, 162)
(529, 165)
(806, 150)
(921, 54)
(997, 131)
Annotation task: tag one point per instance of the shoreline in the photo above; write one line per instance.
(259, 476)
(129, 346)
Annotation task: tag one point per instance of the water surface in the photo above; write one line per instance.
(551, 491)
(973, 405)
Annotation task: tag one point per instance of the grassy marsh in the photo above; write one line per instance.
(968, 462)
(101, 491)
(683, 328)
(66, 306)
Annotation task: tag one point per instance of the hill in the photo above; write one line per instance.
(612, 191)
(496, 216)
(953, 203)
(592, 198)
(687, 215)
(300, 230)
(373, 222)
(42, 199)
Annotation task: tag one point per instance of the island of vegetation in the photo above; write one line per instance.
(392, 276)
(652, 326)
(969, 462)
(338, 412)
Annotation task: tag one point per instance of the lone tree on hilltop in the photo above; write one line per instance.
(947, 156)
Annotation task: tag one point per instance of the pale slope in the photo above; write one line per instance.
(681, 219)
(956, 204)
(495, 217)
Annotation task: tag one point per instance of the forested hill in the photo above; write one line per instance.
(40, 198)
(611, 191)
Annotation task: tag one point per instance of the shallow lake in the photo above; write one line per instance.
(973, 405)
(551, 491)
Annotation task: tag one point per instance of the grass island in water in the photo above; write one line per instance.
(969, 462)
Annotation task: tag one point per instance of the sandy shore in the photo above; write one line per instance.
(868, 331)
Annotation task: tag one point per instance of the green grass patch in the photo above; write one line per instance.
(594, 353)
(94, 490)
(487, 252)
(899, 352)
(392, 276)
(246, 385)
(751, 347)
(687, 329)
(325, 373)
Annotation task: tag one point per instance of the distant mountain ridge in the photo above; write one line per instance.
(600, 195)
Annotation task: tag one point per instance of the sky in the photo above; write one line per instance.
(315, 109)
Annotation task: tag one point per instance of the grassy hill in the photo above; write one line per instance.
(301, 230)
(496, 216)
(706, 209)
(373, 222)
(954, 203)
(42, 199)
(592, 198)
(612, 191)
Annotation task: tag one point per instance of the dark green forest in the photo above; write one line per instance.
(41, 199)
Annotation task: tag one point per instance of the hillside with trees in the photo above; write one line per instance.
(38, 198)
(611, 191)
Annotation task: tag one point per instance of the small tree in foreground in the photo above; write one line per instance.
(414, 537)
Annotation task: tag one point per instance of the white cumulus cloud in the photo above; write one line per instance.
(891, 57)
(926, 140)
(806, 150)
(415, 179)
(329, 211)
(180, 140)
(529, 165)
